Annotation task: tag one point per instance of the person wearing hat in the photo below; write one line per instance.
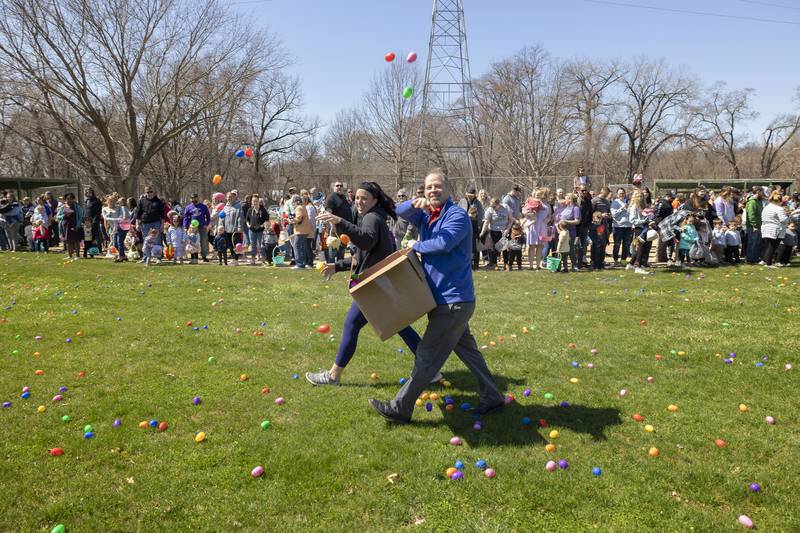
(471, 200)
(197, 210)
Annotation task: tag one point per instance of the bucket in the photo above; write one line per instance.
(277, 260)
(553, 263)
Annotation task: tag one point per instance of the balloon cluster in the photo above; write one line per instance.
(408, 92)
(244, 152)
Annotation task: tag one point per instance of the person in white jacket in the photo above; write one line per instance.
(621, 225)
(773, 227)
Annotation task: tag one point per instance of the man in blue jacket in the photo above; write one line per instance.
(445, 234)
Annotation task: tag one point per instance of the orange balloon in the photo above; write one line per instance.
(217, 179)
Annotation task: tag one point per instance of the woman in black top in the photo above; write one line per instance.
(373, 244)
(255, 218)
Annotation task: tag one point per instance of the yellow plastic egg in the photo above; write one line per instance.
(200, 437)
(41, 409)
(648, 428)
(554, 434)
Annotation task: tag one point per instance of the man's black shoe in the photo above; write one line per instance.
(385, 410)
(483, 409)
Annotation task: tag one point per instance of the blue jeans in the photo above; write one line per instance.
(119, 242)
(147, 226)
(301, 254)
(622, 238)
(256, 242)
(753, 245)
(582, 233)
(353, 323)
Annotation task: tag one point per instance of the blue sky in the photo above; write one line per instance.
(338, 45)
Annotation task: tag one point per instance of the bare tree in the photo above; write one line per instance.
(120, 79)
(347, 145)
(776, 138)
(653, 109)
(389, 119)
(528, 95)
(719, 114)
(589, 84)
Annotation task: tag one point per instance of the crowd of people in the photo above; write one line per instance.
(557, 230)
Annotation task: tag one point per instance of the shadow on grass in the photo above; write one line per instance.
(506, 428)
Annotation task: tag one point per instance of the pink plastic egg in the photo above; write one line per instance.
(279, 400)
(456, 441)
(746, 521)
(551, 466)
(770, 420)
(257, 471)
(490, 473)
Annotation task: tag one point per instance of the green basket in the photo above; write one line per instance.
(553, 263)
(278, 260)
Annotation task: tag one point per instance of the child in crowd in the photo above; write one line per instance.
(787, 245)
(562, 249)
(719, 242)
(271, 240)
(40, 236)
(599, 235)
(192, 243)
(688, 238)
(221, 245)
(88, 237)
(130, 244)
(176, 238)
(476, 230)
(733, 242)
(516, 242)
(152, 248)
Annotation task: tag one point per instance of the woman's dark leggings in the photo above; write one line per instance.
(231, 240)
(622, 237)
(353, 323)
(770, 246)
(496, 236)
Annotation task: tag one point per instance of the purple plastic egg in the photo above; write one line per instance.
(755, 487)
(563, 464)
(526, 392)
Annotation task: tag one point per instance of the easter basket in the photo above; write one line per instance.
(279, 255)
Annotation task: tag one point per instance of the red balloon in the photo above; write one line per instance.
(412, 57)
(248, 152)
(389, 57)
(324, 328)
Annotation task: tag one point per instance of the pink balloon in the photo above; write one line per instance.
(412, 57)
(220, 207)
(219, 197)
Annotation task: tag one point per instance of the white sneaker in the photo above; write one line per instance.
(297, 267)
(777, 265)
(641, 271)
(629, 267)
(762, 263)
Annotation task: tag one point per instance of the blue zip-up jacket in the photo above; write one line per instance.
(446, 249)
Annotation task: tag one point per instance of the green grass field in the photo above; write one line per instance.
(329, 459)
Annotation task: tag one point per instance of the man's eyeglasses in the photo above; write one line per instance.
(338, 185)
(401, 196)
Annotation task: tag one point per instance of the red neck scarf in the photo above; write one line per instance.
(434, 215)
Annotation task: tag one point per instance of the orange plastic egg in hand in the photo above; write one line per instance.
(344, 239)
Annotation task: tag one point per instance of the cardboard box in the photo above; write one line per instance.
(393, 293)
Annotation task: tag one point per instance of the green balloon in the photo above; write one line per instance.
(408, 92)
(195, 223)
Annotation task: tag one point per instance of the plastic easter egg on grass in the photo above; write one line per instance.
(56, 452)
(6, 405)
(323, 328)
(212, 360)
(637, 417)
(57, 398)
(743, 408)
(410, 58)
(450, 471)
(563, 464)
(650, 379)
(244, 377)
(41, 409)
(456, 441)
(654, 452)
(481, 464)
(153, 423)
(526, 392)
(266, 424)
(770, 420)
(257, 471)
(196, 400)
(490, 473)
(746, 521)
(623, 392)
(66, 418)
(117, 423)
(39, 372)
(200, 437)
(458, 474)
(755, 487)
(548, 395)
(672, 408)
(719, 443)
(60, 528)
(280, 400)
(163, 426)
(144, 424)
(550, 447)
(551, 466)
(648, 428)
(554, 434)
(88, 435)
(25, 395)
(597, 471)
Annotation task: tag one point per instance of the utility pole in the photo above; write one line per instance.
(447, 119)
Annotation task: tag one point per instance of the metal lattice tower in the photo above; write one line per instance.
(447, 102)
